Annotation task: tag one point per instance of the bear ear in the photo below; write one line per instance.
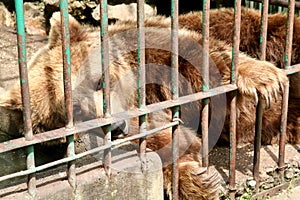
(76, 31)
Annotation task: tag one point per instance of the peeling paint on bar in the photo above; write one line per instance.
(175, 95)
(96, 123)
(259, 108)
(233, 103)
(21, 42)
(67, 88)
(141, 81)
(205, 84)
(285, 98)
(88, 152)
(29, 140)
(106, 82)
(289, 34)
(292, 69)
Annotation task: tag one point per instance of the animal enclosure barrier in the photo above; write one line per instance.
(109, 118)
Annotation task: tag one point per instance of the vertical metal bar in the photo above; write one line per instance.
(205, 76)
(67, 87)
(271, 9)
(247, 3)
(106, 82)
(141, 80)
(233, 103)
(259, 108)
(289, 34)
(251, 4)
(21, 42)
(285, 98)
(257, 142)
(175, 94)
(263, 29)
(283, 127)
(260, 6)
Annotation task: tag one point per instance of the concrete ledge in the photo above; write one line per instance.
(126, 182)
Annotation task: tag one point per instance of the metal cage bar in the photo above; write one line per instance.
(282, 3)
(99, 122)
(141, 112)
(106, 82)
(205, 77)
(259, 106)
(233, 103)
(21, 43)
(285, 98)
(67, 88)
(141, 80)
(175, 95)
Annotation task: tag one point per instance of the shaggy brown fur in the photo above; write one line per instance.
(46, 88)
(221, 27)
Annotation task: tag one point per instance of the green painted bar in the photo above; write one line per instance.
(285, 98)
(21, 42)
(141, 81)
(106, 82)
(175, 95)
(68, 88)
(233, 101)
(259, 108)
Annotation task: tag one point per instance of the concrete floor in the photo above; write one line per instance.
(293, 194)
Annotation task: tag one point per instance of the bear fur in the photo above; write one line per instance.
(221, 28)
(254, 78)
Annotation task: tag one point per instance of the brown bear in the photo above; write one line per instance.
(254, 78)
(221, 28)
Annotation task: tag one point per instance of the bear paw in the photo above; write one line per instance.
(195, 182)
(260, 78)
(198, 182)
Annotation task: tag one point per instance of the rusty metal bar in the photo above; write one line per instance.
(282, 3)
(21, 42)
(289, 34)
(106, 82)
(175, 95)
(263, 29)
(292, 69)
(259, 108)
(285, 98)
(233, 103)
(257, 141)
(67, 87)
(273, 191)
(205, 84)
(283, 127)
(141, 80)
(88, 152)
(96, 123)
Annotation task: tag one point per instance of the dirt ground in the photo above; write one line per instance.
(219, 157)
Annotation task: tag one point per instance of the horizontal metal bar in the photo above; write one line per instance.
(279, 3)
(273, 191)
(292, 69)
(92, 151)
(146, 133)
(96, 123)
